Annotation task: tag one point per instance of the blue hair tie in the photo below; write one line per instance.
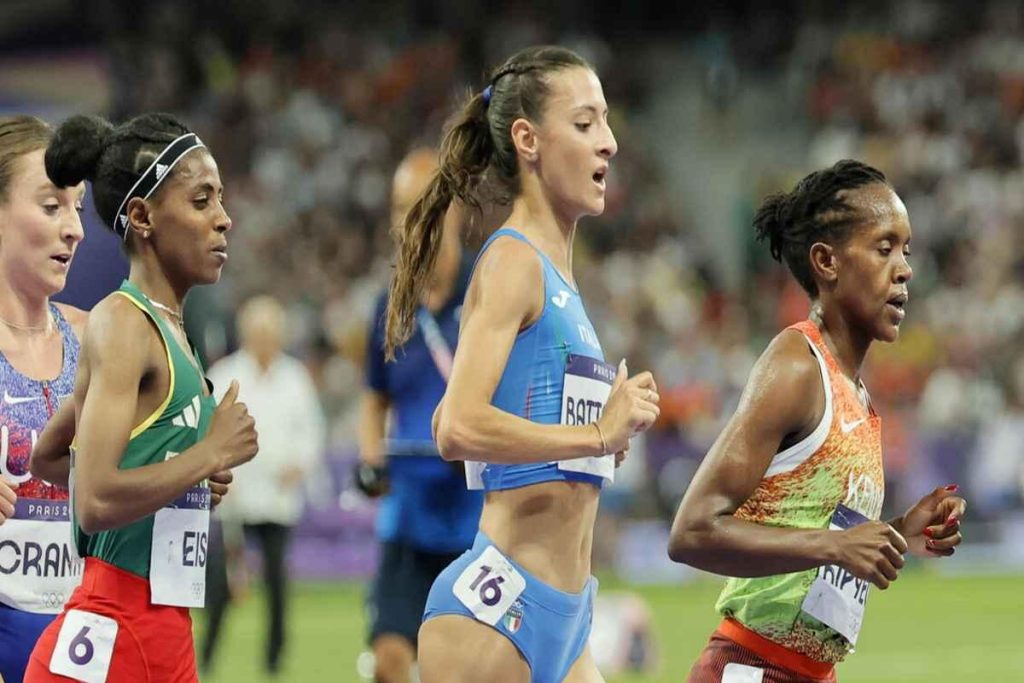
(488, 91)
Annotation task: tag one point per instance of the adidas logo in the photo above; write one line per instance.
(161, 170)
(189, 417)
(124, 220)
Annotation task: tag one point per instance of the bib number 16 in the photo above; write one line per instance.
(490, 591)
(489, 586)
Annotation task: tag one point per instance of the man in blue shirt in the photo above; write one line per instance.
(427, 516)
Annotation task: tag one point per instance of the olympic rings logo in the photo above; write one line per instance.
(51, 601)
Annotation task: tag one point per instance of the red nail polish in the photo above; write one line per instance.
(952, 487)
(928, 531)
(951, 521)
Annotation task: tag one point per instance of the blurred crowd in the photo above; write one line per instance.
(938, 103)
(308, 114)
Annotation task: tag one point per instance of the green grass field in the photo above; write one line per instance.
(926, 628)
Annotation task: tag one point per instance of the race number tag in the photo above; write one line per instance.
(177, 568)
(741, 673)
(585, 390)
(837, 597)
(39, 567)
(85, 646)
(489, 586)
(475, 475)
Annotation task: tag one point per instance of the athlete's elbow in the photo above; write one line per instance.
(91, 514)
(686, 541)
(678, 548)
(684, 549)
(37, 466)
(456, 438)
(54, 472)
(450, 441)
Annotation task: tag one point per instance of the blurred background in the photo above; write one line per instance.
(308, 106)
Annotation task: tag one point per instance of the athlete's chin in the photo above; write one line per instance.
(887, 333)
(56, 284)
(211, 277)
(594, 208)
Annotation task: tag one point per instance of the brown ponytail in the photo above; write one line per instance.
(478, 139)
(465, 154)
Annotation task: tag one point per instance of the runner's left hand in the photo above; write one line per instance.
(932, 526)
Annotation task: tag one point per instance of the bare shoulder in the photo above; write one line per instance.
(786, 380)
(117, 326)
(509, 279)
(508, 259)
(789, 354)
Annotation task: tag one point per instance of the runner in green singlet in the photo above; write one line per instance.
(148, 437)
(789, 499)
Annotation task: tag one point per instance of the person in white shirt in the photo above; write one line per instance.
(267, 498)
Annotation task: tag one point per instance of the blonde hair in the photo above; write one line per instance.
(19, 135)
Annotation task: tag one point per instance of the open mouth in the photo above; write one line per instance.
(63, 259)
(599, 177)
(898, 304)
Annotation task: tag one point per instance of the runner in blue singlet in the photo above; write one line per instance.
(40, 229)
(531, 406)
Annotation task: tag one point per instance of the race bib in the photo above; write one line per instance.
(39, 567)
(741, 673)
(85, 646)
(474, 475)
(181, 532)
(585, 390)
(837, 597)
(489, 586)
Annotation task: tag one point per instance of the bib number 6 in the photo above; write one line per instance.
(81, 641)
(489, 586)
(85, 646)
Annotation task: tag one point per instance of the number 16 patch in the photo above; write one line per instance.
(489, 586)
(84, 647)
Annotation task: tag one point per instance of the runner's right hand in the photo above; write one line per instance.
(873, 552)
(7, 499)
(632, 408)
(232, 433)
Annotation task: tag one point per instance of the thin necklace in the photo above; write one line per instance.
(181, 324)
(168, 309)
(31, 328)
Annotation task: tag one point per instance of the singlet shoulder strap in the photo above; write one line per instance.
(62, 323)
(791, 458)
(502, 232)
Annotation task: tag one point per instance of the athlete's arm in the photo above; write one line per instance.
(117, 351)
(51, 459)
(51, 456)
(506, 295)
(784, 397)
(373, 415)
(7, 500)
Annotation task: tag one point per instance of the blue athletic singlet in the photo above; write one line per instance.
(555, 374)
(531, 385)
(38, 569)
